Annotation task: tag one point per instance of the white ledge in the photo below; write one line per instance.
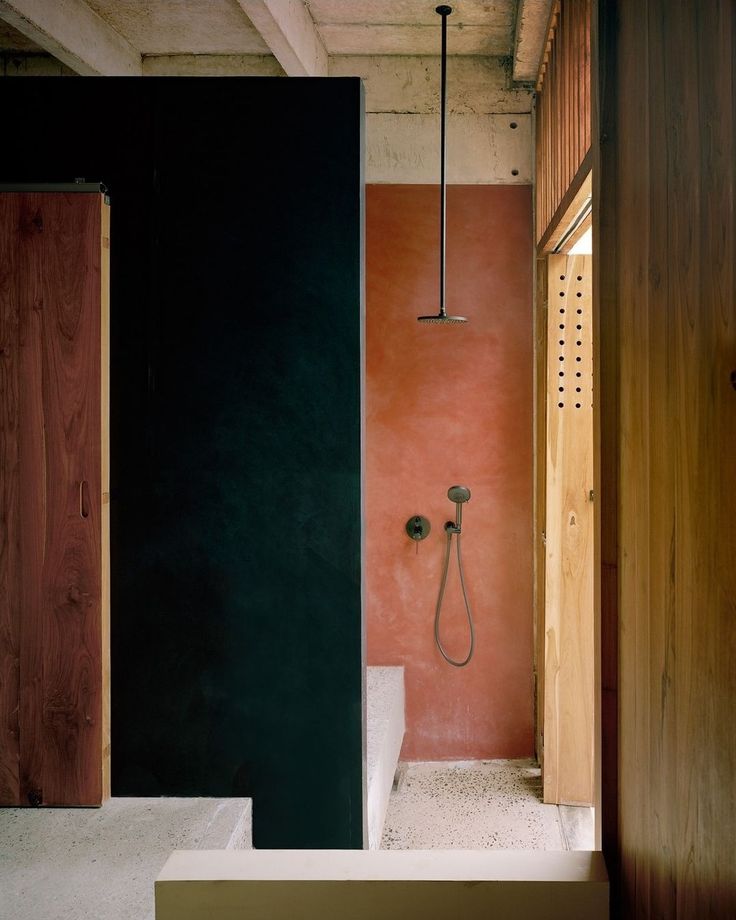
(391, 884)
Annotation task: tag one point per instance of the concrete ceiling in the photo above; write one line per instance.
(411, 27)
(113, 36)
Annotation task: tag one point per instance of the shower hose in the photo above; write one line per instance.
(449, 529)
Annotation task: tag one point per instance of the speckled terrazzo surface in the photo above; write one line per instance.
(476, 805)
(101, 863)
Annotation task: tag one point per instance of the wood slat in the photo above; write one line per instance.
(563, 110)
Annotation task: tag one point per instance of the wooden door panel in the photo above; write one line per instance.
(57, 283)
(9, 509)
(569, 692)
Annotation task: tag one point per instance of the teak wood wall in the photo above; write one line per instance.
(563, 115)
(569, 690)
(668, 429)
(54, 728)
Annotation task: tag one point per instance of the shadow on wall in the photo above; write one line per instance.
(446, 405)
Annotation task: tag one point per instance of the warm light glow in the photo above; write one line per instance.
(584, 246)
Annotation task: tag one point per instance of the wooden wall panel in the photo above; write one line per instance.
(540, 497)
(9, 511)
(563, 134)
(668, 335)
(569, 599)
(56, 597)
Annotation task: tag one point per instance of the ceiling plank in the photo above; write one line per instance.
(288, 30)
(75, 35)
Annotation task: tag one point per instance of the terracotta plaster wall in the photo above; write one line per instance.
(447, 405)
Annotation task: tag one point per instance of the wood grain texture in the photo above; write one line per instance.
(105, 493)
(563, 110)
(57, 294)
(667, 228)
(9, 511)
(540, 497)
(569, 601)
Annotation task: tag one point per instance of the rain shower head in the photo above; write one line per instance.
(442, 318)
(458, 494)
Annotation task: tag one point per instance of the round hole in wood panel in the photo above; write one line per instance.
(578, 359)
(514, 172)
(577, 405)
(562, 293)
(562, 277)
(561, 389)
(578, 374)
(562, 325)
(562, 310)
(578, 326)
(578, 342)
(513, 125)
(560, 405)
(578, 390)
(561, 374)
(562, 341)
(578, 294)
(561, 358)
(578, 311)
(580, 277)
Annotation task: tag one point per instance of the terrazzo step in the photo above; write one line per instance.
(101, 863)
(385, 730)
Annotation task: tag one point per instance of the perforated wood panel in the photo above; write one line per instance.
(569, 650)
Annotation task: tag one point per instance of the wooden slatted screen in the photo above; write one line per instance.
(563, 114)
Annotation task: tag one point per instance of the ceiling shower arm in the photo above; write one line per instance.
(444, 12)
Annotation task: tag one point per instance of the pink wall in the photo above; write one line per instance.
(447, 405)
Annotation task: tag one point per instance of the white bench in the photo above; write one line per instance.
(390, 884)
(385, 729)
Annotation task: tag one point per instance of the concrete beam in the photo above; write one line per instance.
(75, 35)
(532, 23)
(288, 30)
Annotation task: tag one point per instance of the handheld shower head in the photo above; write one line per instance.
(458, 494)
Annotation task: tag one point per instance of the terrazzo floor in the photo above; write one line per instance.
(478, 805)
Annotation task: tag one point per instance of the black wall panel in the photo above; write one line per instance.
(235, 412)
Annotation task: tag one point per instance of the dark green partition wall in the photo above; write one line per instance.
(236, 368)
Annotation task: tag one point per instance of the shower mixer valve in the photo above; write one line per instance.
(418, 527)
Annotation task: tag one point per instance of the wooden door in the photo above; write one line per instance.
(569, 629)
(54, 726)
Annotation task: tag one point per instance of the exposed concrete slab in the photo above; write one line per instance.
(411, 39)
(13, 64)
(412, 26)
(212, 65)
(75, 35)
(182, 26)
(481, 149)
(101, 863)
(400, 84)
(532, 22)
